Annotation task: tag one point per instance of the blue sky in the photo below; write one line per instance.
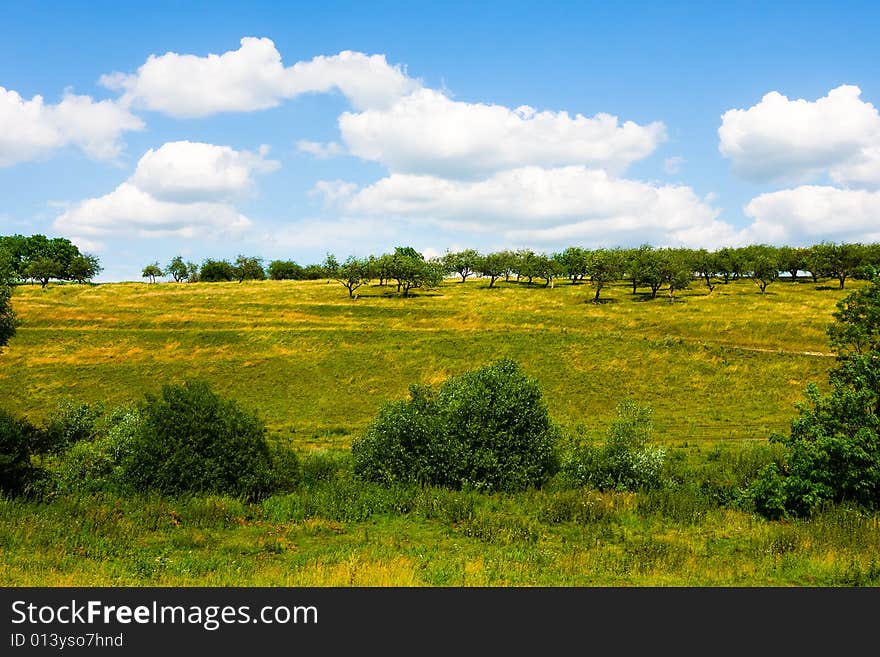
(286, 130)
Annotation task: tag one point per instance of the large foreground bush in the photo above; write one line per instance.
(833, 449)
(190, 440)
(488, 429)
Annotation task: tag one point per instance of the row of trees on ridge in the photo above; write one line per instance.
(645, 267)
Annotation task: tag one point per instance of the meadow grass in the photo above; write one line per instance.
(367, 536)
(721, 371)
(316, 365)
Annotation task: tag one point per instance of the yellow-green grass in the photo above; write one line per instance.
(316, 365)
(502, 541)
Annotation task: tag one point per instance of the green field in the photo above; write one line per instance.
(315, 364)
(721, 372)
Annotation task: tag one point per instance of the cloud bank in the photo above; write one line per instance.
(182, 189)
(33, 129)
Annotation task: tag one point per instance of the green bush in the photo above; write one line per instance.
(625, 461)
(71, 423)
(190, 440)
(286, 469)
(17, 438)
(488, 429)
(95, 464)
(833, 449)
(833, 455)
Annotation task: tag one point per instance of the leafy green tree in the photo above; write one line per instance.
(193, 272)
(856, 330)
(177, 269)
(509, 258)
(353, 273)
(410, 269)
(729, 263)
(492, 266)
(8, 320)
(151, 271)
(249, 268)
(705, 264)
(8, 266)
(840, 261)
(214, 271)
(833, 449)
(548, 268)
(313, 272)
(84, 267)
(43, 269)
(381, 267)
(675, 270)
(643, 268)
(330, 265)
(526, 265)
(464, 263)
(574, 263)
(762, 261)
(284, 270)
(15, 251)
(605, 266)
(792, 260)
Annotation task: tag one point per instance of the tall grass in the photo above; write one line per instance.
(335, 532)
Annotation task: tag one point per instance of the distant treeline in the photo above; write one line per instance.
(644, 267)
(41, 259)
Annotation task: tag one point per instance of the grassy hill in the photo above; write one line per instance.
(721, 371)
(316, 365)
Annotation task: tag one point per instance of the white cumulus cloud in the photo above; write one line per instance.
(783, 139)
(559, 206)
(130, 211)
(812, 213)
(181, 189)
(254, 78)
(33, 128)
(426, 132)
(188, 171)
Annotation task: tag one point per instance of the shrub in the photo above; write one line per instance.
(286, 469)
(488, 429)
(71, 423)
(95, 464)
(17, 438)
(190, 440)
(833, 455)
(624, 461)
(833, 448)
